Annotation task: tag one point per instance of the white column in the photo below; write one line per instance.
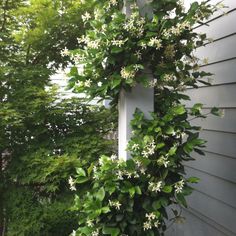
(140, 97)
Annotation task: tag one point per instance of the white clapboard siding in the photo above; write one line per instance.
(221, 95)
(224, 23)
(212, 206)
(218, 50)
(215, 165)
(225, 73)
(221, 143)
(197, 224)
(213, 209)
(214, 187)
(224, 124)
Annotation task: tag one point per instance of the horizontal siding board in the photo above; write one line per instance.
(223, 23)
(219, 50)
(224, 124)
(214, 187)
(215, 210)
(220, 96)
(221, 143)
(224, 72)
(216, 165)
(196, 224)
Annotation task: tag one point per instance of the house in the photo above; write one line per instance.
(212, 206)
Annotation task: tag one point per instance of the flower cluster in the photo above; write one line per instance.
(152, 221)
(179, 186)
(149, 149)
(72, 182)
(163, 161)
(135, 23)
(127, 73)
(155, 187)
(115, 204)
(155, 42)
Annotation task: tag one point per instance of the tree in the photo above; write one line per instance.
(42, 139)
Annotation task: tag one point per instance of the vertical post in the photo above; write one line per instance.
(140, 97)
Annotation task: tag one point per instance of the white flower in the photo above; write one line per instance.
(147, 225)
(65, 52)
(94, 44)
(153, 83)
(113, 157)
(156, 224)
(145, 154)
(138, 54)
(136, 67)
(143, 45)
(71, 182)
(142, 170)
(169, 77)
(87, 83)
(79, 84)
(86, 17)
(113, 3)
(150, 216)
(155, 42)
(149, 149)
(99, 84)
(179, 186)
(90, 223)
(118, 43)
(166, 33)
(129, 175)
(163, 161)
(95, 233)
(127, 73)
(138, 163)
(155, 187)
(141, 22)
(119, 174)
(135, 147)
(115, 204)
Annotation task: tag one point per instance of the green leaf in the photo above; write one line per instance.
(169, 130)
(172, 151)
(105, 209)
(217, 112)
(80, 172)
(115, 82)
(111, 231)
(167, 189)
(193, 180)
(178, 110)
(181, 199)
(132, 192)
(138, 190)
(81, 179)
(116, 49)
(100, 195)
(156, 205)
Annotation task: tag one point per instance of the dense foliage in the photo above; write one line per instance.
(118, 51)
(42, 139)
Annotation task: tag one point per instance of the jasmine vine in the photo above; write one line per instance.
(131, 197)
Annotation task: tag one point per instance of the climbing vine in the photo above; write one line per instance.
(118, 52)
